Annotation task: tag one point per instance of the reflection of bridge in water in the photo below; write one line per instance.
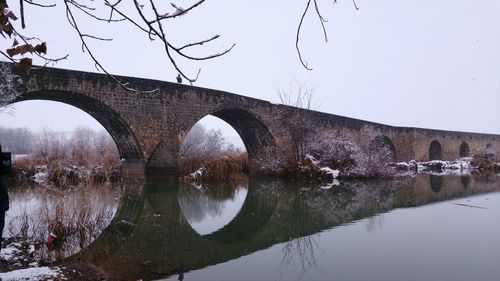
(150, 237)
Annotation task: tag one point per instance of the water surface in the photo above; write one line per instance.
(421, 228)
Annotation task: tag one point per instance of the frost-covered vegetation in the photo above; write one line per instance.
(476, 164)
(332, 154)
(9, 83)
(207, 156)
(57, 223)
(82, 156)
(46, 224)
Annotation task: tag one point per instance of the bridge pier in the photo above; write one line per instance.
(133, 168)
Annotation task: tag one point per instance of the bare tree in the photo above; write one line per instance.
(47, 146)
(298, 94)
(193, 141)
(104, 149)
(322, 20)
(202, 144)
(16, 140)
(152, 18)
(81, 146)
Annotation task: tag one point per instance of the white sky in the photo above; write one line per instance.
(432, 64)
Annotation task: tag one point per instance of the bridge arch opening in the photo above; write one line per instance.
(384, 148)
(251, 133)
(61, 146)
(47, 132)
(126, 143)
(464, 150)
(435, 151)
(212, 150)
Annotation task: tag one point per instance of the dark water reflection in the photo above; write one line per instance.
(360, 230)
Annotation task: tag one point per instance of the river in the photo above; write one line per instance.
(416, 228)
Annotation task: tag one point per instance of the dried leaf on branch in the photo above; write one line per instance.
(27, 48)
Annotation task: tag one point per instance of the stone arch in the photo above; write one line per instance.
(464, 150)
(126, 142)
(435, 151)
(252, 130)
(254, 133)
(384, 146)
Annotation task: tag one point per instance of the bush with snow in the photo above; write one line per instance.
(9, 84)
(366, 158)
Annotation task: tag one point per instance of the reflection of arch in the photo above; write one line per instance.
(436, 183)
(200, 204)
(435, 151)
(464, 150)
(125, 140)
(383, 145)
(465, 180)
(252, 218)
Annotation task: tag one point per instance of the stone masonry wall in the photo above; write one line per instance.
(149, 126)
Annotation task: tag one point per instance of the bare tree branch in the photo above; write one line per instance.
(298, 34)
(21, 8)
(26, 41)
(7, 56)
(85, 48)
(39, 5)
(322, 21)
(355, 5)
(88, 10)
(183, 12)
(155, 29)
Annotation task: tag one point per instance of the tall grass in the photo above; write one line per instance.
(225, 165)
(75, 217)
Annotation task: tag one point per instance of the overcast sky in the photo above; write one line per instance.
(432, 64)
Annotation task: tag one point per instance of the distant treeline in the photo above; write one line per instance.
(82, 147)
(17, 140)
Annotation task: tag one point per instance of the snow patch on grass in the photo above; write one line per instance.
(9, 252)
(40, 177)
(328, 170)
(198, 173)
(34, 273)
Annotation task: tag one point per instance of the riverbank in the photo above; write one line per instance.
(19, 261)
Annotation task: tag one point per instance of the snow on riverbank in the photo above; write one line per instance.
(34, 273)
(329, 171)
(460, 166)
(23, 265)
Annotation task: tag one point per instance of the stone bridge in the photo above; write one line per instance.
(149, 127)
